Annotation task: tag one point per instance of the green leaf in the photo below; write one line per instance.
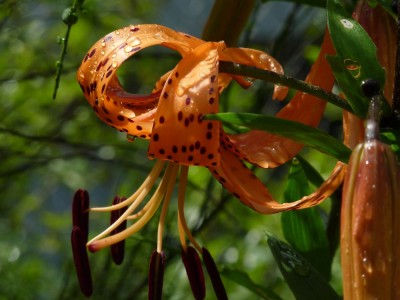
(296, 131)
(355, 58)
(304, 229)
(244, 280)
(392, 138)
(304, 281)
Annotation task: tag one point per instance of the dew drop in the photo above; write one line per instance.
(128, 48)
(114, 64)
(133, 41)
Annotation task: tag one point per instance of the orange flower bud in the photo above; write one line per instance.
(370, 226)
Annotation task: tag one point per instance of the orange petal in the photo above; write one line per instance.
(256, 58)
(267, 150)
(244, 185)
(98, 79)
(180, 134)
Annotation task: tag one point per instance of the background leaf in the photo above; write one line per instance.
(304, 229)
(299, 132)
(304, 281)
(355, 58)
(244, 280)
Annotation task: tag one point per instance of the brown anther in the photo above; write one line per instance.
(212, 271)
(81, 260)
(80, 212)
(194, 270)
(156, 275)
(118, 249)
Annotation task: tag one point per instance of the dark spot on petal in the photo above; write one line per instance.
(108, 73)
(174, 149)
(211, 100)
(92, 52)
(155, 137)
(180, 116)
(139, 127)
(121, 118)
(161, 119)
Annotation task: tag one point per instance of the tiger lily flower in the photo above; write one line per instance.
(171, 118)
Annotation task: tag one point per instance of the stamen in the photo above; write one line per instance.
(156, 275)
(96, 243)
(118, 249)
(194, 271)
(167, 199)
(81, 261)
(181, 212)
(212, 271)
(80, 213)
(146, 186)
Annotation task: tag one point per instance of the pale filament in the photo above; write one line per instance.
(146, 185)
(182, 226)
(98, 243)
(167, 199)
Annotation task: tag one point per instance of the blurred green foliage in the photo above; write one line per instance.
(49, 148)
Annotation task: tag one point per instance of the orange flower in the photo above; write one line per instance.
(171, 117)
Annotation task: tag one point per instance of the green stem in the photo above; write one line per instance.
(247, 71)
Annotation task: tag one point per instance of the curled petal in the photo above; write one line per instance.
(180, 134)
(256, 58)
(267, 150)
(98, 80)
(233, 174)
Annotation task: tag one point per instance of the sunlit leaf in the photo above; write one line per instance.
(304, 229)
(304, 281)
(296, 131)
(244, 280)
(355, 58)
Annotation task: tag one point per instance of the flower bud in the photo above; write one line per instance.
(370, 224)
